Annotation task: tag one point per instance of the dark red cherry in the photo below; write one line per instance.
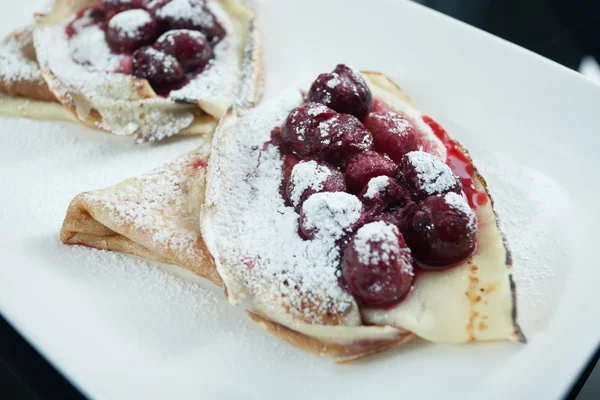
(424, 175)
(190, 48)
(162, 70)
(129, 30)
(113, 7)
(343, 136)
(190, 14)
(300, 130)
(392, 134)
(383, 193)
(310, 177)
(364, 166)
(377, 266)
(330, 215)
(343, 90)
(441, 230)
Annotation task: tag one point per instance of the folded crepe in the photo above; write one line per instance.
(154, 216)
(29, 91)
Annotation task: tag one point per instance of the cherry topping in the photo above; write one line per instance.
(190, 48)
(364, 166)
(114, 7)
(129, 30)
(342, 136)
(425, 175)
(377, 266)
(343, 90)
(190, 14)
(162, 70)
(392, 134)
(383, 193)
(330, 215)
(300, 129)
(441, 230)
(310, 177)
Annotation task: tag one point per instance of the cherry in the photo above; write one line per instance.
(343, 136)
(343, 90)
(190, 48)
(190, 14)
(364, 166)
(383, 193)
(392, 134)
(377, 266)
(441, 230)
(162, 70)
(424, 175)
(289, 161)
(129, 30)
(300, 129)
(310, 177)
(330, 215)
(113, 7)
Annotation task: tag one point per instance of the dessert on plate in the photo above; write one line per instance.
(149, 68)
(348, 221)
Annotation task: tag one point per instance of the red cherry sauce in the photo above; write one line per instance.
(459, 163)
(199, 163)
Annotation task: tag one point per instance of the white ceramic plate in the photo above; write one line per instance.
(121, 328)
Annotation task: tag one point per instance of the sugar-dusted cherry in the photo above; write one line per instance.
(131, 29)
(392, 133)
(424, 175)
(190, 14)
(190, 48)
(382, 194)
(441, 230)
(330, 216)
(364, 166)
(162, 70)
(377, 267)
(301, 131)
(343, 90)
(310, 177)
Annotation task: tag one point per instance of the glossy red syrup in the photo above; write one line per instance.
(459, 163)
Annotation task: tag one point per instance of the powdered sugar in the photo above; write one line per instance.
(187, 10)
(88, 48)
(434, 176)
(16, 64)
(331, 214)
(244, 195)
(305, 175)
(129, 23)
(376, 185)
(458, 202)
(377, 242)
(158, 203)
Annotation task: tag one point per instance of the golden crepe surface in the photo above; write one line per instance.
(273, 269)
(154, 216)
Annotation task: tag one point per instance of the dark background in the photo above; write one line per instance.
(562, 30)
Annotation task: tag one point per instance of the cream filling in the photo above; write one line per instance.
(21, 107)
(469, 302)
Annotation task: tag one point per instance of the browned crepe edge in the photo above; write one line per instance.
(30, 89)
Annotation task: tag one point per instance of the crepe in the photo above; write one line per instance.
(120, 103)
(155, 216)
(475, 301)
